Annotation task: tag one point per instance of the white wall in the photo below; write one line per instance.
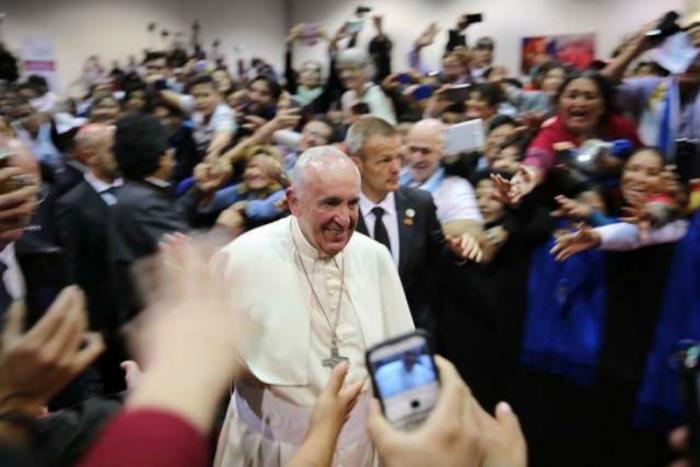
(114, 29)
(505, 20)
(256, 27)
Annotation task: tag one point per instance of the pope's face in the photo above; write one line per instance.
(327, 209)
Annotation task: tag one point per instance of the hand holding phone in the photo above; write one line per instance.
(405, 379)
(457, 432)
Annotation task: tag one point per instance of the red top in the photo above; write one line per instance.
(541, 151)
(146, 438)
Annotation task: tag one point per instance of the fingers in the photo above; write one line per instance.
(76, 323)
(54, 317)
(507, 418)
(337, 378)
(94, 346)
(453, 393)
(379, 429)
(13, 322)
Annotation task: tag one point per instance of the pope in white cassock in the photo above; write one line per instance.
(313, 294)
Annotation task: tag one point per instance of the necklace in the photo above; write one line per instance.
(335, 357)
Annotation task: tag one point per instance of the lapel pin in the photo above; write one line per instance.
(409, 215)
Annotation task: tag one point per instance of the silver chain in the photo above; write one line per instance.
(333, 326)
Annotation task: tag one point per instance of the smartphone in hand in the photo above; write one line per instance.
(404, 378)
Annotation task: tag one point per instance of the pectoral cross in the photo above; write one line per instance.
(335, 358)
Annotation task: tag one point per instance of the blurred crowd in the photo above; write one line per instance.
(555, 259)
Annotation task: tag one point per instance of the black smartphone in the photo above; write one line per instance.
(404, 378)
(457, 92)
(474, 18)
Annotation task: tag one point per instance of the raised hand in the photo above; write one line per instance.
(572, 243)
(427, 37)
(209, 176)
(457, 432)
(189, 328)
(571, 208)
(466, 247)
(37, 364)
(523, 182)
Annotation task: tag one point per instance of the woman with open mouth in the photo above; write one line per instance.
(584, 112)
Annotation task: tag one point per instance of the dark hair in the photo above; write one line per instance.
(485, 174)
(201, 79)
(272, 84)
(173, 110)
(456, 107)
(657, 69)
(137, 86)
(334, 136)
(500, 120)
(39, 83)
(489, 92)
(604, 88)
(155, 55)
(140, 141)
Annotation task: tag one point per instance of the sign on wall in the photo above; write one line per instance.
(38, 58)
(576, 50)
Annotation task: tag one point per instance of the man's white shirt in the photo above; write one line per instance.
(390, 220)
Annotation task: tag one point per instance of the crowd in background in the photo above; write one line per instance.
(577, 218)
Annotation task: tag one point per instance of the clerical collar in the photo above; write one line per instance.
(306, 249)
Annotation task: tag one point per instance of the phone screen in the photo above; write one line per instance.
(405, 379)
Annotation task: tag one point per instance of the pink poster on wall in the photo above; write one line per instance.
(38, 58)
(576, 50)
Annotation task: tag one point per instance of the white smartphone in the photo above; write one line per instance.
(405, 379)
(464, 137)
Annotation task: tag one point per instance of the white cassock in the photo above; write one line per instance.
(287, 338)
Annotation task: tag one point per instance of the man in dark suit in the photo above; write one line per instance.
(403, 219)
(83, 219)
(145, 209)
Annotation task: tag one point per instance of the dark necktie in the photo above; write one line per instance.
(380, 233)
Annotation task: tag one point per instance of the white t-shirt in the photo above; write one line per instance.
(379, 104)
(222, 119)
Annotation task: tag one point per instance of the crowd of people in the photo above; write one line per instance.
(185, 233)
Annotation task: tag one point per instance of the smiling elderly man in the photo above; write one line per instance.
(311, 294)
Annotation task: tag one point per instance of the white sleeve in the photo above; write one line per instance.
(380, 105)
(186, 103)
(223, 119)
(625, 237)
(288, 138)
(455, 200)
